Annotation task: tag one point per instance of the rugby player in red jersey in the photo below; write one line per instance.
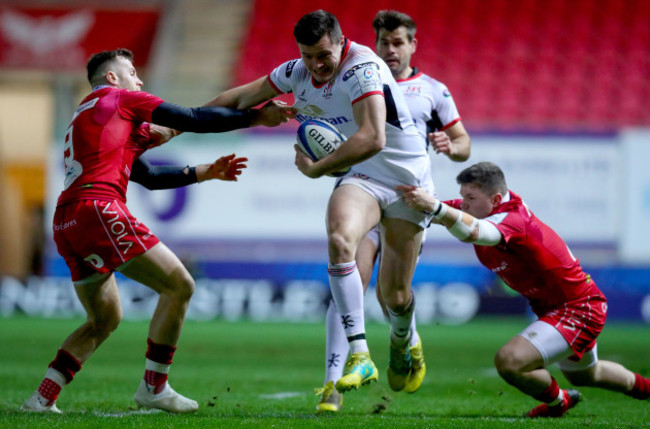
(533, 260)
(96, 234)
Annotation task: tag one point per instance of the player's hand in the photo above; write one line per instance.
(225, 168)
(418, 198)
(441, 143)
(273, 114)
(305, 164)
(160, 135)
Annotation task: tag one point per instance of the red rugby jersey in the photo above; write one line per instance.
(109, 130)
(532, 259)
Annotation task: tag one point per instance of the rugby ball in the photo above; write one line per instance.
(318, 139)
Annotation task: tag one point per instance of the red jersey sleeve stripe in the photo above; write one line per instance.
(449, 125)
(278, 90)
(367, 94)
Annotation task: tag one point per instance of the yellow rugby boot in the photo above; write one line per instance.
(359, 370)
(330, 401)
(399, 367)
(418, 368)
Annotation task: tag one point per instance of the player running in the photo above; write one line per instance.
(346, 84)
(96, 234)
(533, 260)
(436, 116)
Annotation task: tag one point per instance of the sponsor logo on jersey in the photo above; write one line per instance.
(413, 90)
(65, 225)
(333, 121)
(446, 93)
(301, 97)
(117, 229)
(354, 69)
(95, 260)
(327, 90)
(290, 67)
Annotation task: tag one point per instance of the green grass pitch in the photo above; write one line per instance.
(255, 375)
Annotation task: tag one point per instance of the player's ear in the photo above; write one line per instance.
(414, 45)
(111, 78)
(496, 199)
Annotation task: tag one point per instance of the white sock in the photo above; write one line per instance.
(347, 290)
(156, 367)
(400, 324)
(336, 344)
(414, 333)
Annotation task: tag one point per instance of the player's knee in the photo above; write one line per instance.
(106, 321)
(341, 247)
(507, 364)
(183, 286)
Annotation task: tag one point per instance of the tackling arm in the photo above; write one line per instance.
(245, 96)
(461, 225)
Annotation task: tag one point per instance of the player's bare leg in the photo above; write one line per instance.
(401, 242)
(350, 215)
(100, 298)
(521, 365)
(162, 271)
(611, 376)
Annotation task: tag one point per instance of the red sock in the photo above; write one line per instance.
(641, 389)
(66, 364)
(550, 394)
(160, 353)
(49, 390)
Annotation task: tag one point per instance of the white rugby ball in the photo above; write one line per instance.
(318, 139)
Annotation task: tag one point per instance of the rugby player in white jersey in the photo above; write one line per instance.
(349, 86)
(436, 117)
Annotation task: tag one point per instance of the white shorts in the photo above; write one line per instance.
(554, 348)
(390, 200)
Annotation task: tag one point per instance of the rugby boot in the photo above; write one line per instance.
(571, 398)
(37, 404)
(167, 400)
(399, 366)
(331, 400)
(418, 367)
(359, 370)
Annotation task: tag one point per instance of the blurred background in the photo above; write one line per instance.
(554, 91)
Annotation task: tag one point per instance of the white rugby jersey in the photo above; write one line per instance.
(430, 102)
(361, 73)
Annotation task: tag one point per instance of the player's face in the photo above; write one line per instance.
(395, 49)
(322, 59)
(476, 202)
(127, 77)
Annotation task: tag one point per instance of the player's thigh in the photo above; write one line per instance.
(352, 212)
(161, 270)
(518, 355)
(400, 247)
(100, 297)
(547, 340)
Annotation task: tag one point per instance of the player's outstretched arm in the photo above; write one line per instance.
(245, 96)
(461, 225)
(453, 142)
(154, 177)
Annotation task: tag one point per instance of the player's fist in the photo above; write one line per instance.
(273, 114)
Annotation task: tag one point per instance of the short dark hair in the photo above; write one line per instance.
(100, 58)
(391, 20)
(312, 27)
(486, 175)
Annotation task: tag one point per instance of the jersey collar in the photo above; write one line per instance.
(415, 73)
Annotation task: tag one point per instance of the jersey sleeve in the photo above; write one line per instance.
(510, 224)
(137, 105)
(363, 80)
(445, 107)
(280, 77)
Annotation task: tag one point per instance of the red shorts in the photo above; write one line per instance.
(96, 236)
(580, 322)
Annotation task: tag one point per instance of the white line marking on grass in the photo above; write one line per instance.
(141, 411)
(280, 395)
